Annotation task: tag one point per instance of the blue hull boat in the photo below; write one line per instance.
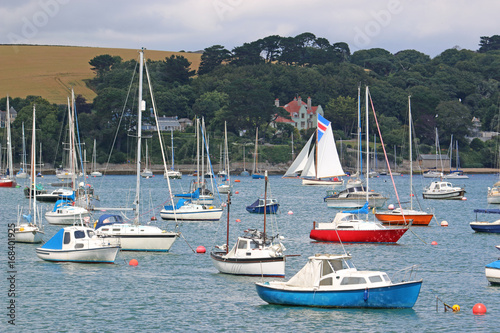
(258, 206)
(491, 227)
(332, 281)
(402, 295)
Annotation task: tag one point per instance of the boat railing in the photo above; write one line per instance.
(405, 274)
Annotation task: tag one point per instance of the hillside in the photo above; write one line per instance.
(51, 71)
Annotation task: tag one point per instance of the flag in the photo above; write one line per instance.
(322, 125)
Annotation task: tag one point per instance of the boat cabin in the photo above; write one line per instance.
(338, 272)
(70, 238)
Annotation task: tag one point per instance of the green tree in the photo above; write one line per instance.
(212, 57)
(452, 117)
(103, 63)
(177, 69)
(342, 112)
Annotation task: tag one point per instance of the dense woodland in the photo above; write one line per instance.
(241, 85)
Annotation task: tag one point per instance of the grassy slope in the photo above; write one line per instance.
(51, 71)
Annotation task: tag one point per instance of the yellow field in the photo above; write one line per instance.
(51, 71)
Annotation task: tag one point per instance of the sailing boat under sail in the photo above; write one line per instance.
(321, 164)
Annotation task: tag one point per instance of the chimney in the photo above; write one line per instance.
(309, 103)
(299, 101)
(277, 102)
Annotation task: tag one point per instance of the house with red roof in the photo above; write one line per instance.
(303, 115)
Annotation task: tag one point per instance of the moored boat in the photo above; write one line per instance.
(332, 281)
(270, 207)
(492, 271)
(483, 226)
(79, 244)
(443, 190)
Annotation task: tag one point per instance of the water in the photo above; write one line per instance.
(182, 291)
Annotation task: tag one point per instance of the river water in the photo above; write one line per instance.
(182, 291)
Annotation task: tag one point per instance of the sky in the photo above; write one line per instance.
(428, 26)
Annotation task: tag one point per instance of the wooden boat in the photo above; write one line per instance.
(332, 281)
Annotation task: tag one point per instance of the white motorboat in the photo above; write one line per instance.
(493, 196)
(443, 190)
(433, 174)
(354, 197)
(79, 244)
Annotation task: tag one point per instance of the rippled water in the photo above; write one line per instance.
(182, 291)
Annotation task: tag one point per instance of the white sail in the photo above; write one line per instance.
(310, 167)
(328, 158)
(300, 162)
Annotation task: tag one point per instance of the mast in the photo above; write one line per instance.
(172, 140)
(94, 158)
(141, 107)
(367, 145)
(359, 166)
(265, 205)
(9, 143)
(411, 152)
(198, 151)
(33, 176)
(227, 230)
(24, 151)
(451, 152)
(256, 159)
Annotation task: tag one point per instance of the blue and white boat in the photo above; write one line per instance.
(79, 244)
(481, 226)
(186, 210)
(271, 206)
(492, 271)
(329, 280)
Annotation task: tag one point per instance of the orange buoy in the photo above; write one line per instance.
(236, 180)
(153, 218)
(238, 220)
(434, 243)
(479, 309)
(133, 262)
(237, 192)
(201, 249)
(444, 223)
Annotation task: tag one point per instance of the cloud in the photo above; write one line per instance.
(427, 26)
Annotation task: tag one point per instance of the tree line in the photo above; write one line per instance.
(241, 85)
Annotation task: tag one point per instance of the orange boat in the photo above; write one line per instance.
(395, 217)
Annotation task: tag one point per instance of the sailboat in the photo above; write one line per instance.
(172, 173)
(196, 205)
(255, 172)
(135, 236)
(94, 172)
(253, 254)
(8, 180)
(146, 172)
(434, 173)
(399, 215)
(30, 231)
(321, 164)
(22, 174)
(457, 173)
(65, 211)
(349, 227)
(225, 186)
(244, 173)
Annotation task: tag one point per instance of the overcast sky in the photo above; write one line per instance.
(428, 26)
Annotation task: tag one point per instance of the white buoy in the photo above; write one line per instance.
(444, 223)
(390, 207)
(290, 212)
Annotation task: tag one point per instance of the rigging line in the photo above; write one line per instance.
(385, 155)
(119, 123)
(180, 233)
